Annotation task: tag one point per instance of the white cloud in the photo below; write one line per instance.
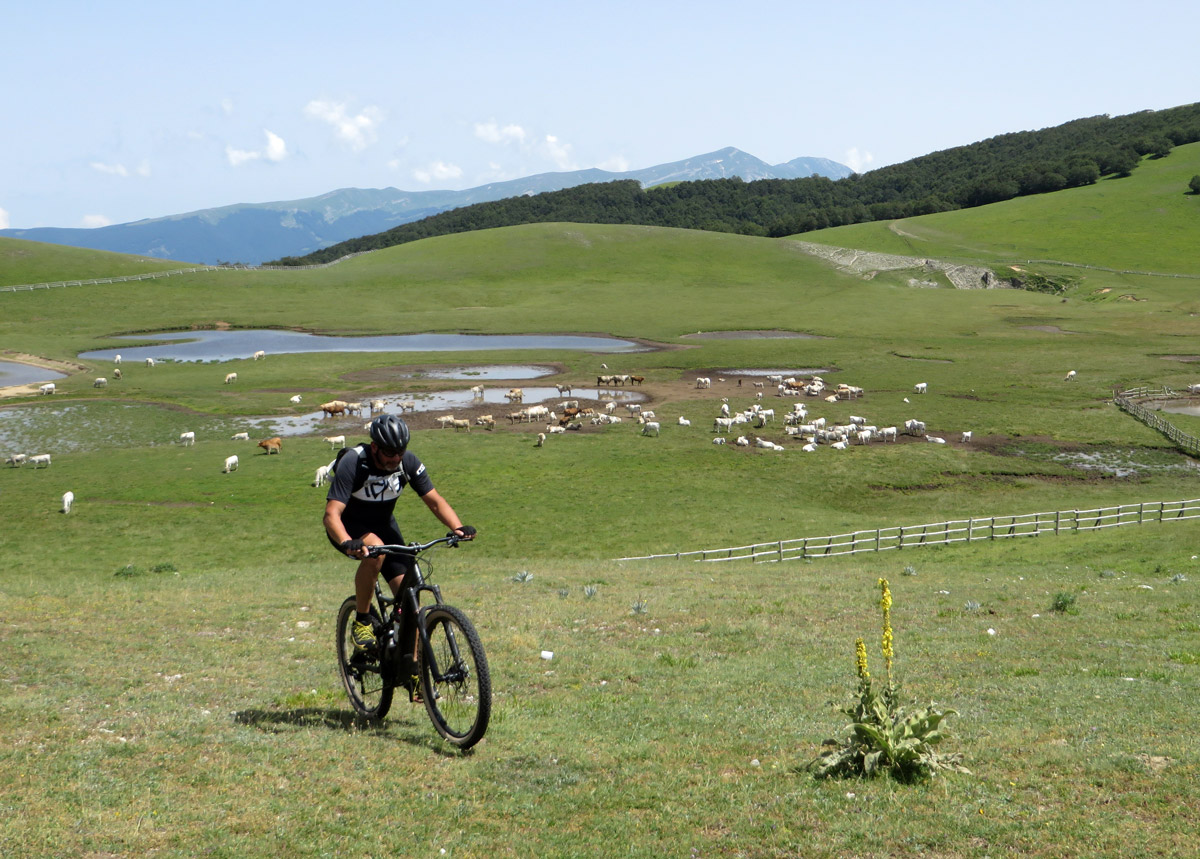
(111, 169)
(491, 132)
(560, 153)
(275, 150)
(358, 131)
(121, 170)
(92, 221)
(438, 171)
(616, 164)
(4, 222)
(858, 161)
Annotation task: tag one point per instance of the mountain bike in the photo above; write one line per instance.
(432, 651)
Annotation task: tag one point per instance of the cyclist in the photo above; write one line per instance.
(364, 484)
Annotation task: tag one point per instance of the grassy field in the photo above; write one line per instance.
(169, 687)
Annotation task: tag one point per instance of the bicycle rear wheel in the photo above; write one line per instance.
(367, 682)
(455, 682)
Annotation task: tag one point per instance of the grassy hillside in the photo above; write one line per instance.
(1145, 222)
(34, 262)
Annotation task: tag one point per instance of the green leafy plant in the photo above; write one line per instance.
(522, 577)
(1063, 602)
(639, 607)
(883, 736)
(590, 591)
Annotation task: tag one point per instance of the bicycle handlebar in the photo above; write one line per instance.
(413, 549)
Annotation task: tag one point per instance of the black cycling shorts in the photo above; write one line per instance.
(393, 565)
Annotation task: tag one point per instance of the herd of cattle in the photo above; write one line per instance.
(750, 425)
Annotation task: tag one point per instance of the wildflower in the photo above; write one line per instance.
(885, 603)
(860, 659)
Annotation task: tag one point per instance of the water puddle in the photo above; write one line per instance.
(804, 371)
(13, 373)
(235, 345)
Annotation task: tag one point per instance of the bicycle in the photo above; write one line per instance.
(432, 651)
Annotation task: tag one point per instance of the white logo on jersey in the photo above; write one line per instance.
(381, 487)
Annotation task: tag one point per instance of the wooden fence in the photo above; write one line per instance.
(946, 533)
(1132, 401)
(154, 275)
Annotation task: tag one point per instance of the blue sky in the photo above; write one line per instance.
(114, 112)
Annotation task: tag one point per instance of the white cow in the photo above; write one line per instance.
(335, 440)
(47, 388)
(259, 354)
(296, 398)
(101, 382)
(1070, 376)
(650, 428)
(231, 464)
(240, 436)
(188, 438)
(149, 362)
(40, 459)
(117, 359)
(920, 387)
(67, 500)
(230, 377)
(322, 476)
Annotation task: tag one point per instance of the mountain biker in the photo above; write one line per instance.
(363, 488)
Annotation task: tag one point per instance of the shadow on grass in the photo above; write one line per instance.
(277, 721)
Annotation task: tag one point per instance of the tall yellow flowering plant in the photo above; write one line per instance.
(882, 736)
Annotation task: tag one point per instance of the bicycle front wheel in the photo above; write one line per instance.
(455, 682)
(367, 683)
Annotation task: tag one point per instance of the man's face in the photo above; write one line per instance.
(386, 458)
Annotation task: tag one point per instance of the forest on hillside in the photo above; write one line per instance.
(1076, 153)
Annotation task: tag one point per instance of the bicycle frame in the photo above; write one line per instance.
(406, 610)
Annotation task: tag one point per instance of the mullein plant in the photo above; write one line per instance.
(884, 737)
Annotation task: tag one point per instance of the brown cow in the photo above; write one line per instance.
(271, 445)
(333, 407)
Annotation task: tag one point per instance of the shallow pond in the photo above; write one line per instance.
(234, 345)
(12, 373)
(1182, 407)
(38, 428)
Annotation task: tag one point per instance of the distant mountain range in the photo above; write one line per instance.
(253, 232)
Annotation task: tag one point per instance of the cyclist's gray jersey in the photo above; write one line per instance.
(368, 492)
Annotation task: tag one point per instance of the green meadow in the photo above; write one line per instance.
(168, 684)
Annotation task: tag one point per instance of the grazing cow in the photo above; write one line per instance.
(67, 500)
(271, 445)
(541, 439)
(1070, 376)
(650, 428)
(920, 387)
(188, 438)
(322, 476)
(116, 359)
(149, 362)
(259, 354)
(101, 382)
(240, 436)
(333, 407)
(231, 464)
(230, 377)
(295, 398)
(117, 373)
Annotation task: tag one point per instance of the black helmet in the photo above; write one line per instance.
(390, 432)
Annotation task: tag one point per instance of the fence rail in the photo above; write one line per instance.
(154, 275)
(1131, 401)
(946, 533)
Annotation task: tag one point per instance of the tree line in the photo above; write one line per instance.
(1076, 153)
